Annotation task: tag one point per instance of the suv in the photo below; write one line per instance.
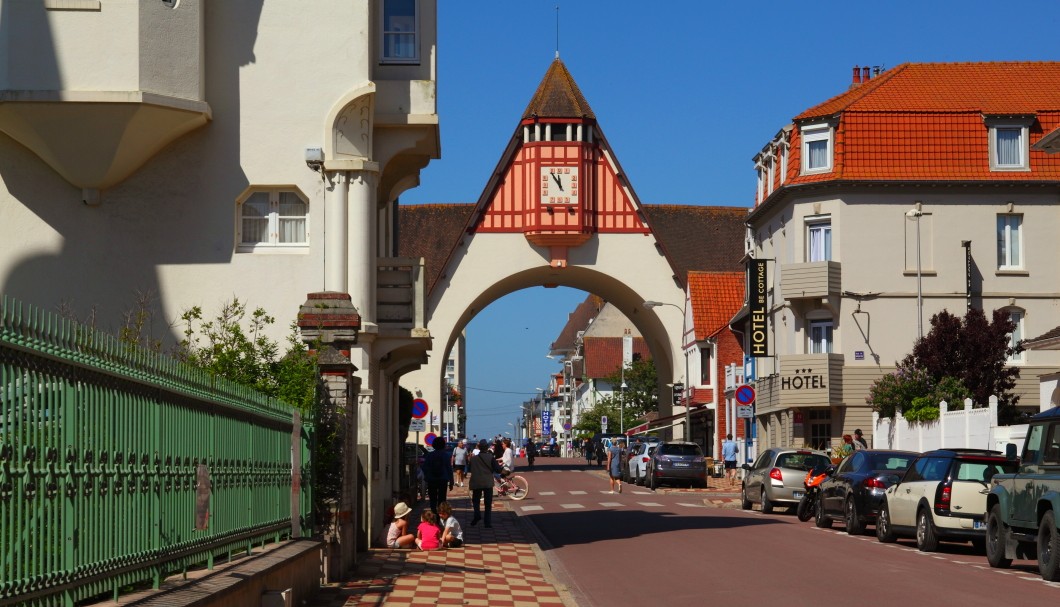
(1022, 507)
(677, 461)
(778, 477)
(942, 496)
(637, 467)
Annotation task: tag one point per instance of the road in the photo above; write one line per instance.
(639, 547)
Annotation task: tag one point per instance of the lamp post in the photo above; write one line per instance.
(916, 214)
(688, 381)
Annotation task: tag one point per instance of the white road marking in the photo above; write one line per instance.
(578, 492)
(531, 508)
(611, 504)
(546, 493)
(650, 504)
(571, 506)
(690, 505)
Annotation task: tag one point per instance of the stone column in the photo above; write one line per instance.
(329, 325)
(361, 236)
(336, 220)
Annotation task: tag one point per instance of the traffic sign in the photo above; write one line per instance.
(745, 411)
(429, 439)
(745, 395)
(419, 408)
(418, 425)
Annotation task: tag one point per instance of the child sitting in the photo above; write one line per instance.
(428, 535)
(398, 535)
(452, 533)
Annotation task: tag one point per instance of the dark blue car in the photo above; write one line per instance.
(854, 493)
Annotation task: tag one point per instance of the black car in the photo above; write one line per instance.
(677, 462)
(547, 450)
(854, 493)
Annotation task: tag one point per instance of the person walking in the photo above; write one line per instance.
(459, 461)
(859, 441)
(437, 473)
(531, 454)
(728, 453)
(600, 453)
(615, 458)
(587, 450)
(483, 466)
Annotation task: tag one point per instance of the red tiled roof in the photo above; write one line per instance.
(603, 355)
(924, 122)
(716, 298)
(578, 320)
(558, 96)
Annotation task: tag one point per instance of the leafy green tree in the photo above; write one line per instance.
(642, 393)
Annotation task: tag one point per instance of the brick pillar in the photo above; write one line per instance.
(329, 324)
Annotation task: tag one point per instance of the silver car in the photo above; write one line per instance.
(777, 478)
(639, 456)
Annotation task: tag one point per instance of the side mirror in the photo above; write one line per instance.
(830, 470)
(746, 466)
(1010, 451)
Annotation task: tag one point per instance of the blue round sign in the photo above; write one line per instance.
(419, 408)
(745, 395)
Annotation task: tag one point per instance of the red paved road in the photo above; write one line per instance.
(639, 548)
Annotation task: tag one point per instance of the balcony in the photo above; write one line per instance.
(400, 294)
(814, 280)
(804, 380)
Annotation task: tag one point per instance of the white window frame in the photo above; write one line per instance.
(783, 163)
(273, 244)
(704, 349)
(816, 223)
(1024, 146)
(771, 163)
(812, 134)
(1018, 315)
(1004, 244)
(386, 34)
(761, 184)
(812, 346)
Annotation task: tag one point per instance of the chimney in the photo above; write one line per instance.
(865, 74)
(875, 71)
(857, 76)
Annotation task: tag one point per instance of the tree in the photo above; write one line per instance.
(975, 352)
(642, 393)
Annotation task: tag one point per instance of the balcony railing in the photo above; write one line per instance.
(810, 280)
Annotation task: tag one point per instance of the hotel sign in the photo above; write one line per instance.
(758, 282)
(803, 379)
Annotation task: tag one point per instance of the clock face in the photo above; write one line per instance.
(559, 185)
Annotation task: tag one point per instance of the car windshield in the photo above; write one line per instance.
(890, 461)
(801, 461)
(983, 470)
(679, 450)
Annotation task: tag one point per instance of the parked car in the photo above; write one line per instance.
(854, 492)
(941, 497)
(547, 450)
(637, 465)
(1023, 506)
(677, 462)
(776, 477)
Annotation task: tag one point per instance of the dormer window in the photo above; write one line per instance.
(816, 148)
(1009, 143)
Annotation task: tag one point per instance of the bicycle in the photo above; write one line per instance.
(512, 486)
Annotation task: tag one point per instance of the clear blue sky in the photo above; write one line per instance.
(687, 92)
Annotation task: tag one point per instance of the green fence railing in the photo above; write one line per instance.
(119, 467)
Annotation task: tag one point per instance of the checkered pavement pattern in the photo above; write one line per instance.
(495, 567)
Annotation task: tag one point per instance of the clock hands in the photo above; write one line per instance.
(559, 184)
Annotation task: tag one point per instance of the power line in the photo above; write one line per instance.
(502, 391)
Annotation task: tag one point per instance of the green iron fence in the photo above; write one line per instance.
(120, 467)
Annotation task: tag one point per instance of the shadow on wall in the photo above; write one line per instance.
(97, 259)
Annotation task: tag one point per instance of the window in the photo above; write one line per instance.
(399, 32)
(1009, 241)
(783, 163)
(1016, 316)
(819, 241)
(820, 428)
(816, 149)
(706, 364)
(1008, 148)
(761, 184)
(273, 218)
(820, 337)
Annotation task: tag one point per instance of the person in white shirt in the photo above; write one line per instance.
(452, 532)
(460, 462)
(508, 458)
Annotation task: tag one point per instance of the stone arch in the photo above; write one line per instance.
(349, 125)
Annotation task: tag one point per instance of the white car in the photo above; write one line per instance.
(639, 456)
(942, 496)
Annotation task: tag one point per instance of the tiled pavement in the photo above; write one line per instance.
(498, 567)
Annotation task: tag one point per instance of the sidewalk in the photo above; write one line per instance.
(498, 567)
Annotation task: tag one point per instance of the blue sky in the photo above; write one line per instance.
(687, 92)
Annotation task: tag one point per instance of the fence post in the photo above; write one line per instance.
(296, 475)
(944, 408)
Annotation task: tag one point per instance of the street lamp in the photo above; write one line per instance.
(622, 407)
(688, 380)
(917, 214)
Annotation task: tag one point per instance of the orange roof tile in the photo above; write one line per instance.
(558, 96)
(716, 298)
(603, 355)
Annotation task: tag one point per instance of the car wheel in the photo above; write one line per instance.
(651, 480)
(745, 503)
(767, 506)
(884, 533)
(996, 539)
(854, 526)
(926, 538)
(820, 519)
(1048, 549)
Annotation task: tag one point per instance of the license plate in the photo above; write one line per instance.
(797, 495)
(978, 524)
(680, 464)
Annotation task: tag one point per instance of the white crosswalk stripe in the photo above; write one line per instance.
(571, 506)
(531, 508)
(611, 504)
(546, 493)
(650, 504)
(690, 505)
(578, 492)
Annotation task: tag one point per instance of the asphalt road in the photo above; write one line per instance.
(640, 547)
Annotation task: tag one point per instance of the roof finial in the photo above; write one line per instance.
(557, 31)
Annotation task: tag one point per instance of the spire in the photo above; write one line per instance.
(558, 96)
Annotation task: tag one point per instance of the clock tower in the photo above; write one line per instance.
(558, 182)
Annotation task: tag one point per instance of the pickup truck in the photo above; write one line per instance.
(1022, 508)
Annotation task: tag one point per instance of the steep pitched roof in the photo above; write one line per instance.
(431, 231)
(700, 238)
(603, 355)
(925, 122)
(558, 96)
(716, 298)
(577, 321)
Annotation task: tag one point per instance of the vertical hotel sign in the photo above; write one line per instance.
(759, 288)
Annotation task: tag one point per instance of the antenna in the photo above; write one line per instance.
(557, 31)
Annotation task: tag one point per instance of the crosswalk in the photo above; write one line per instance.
(586, 499)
